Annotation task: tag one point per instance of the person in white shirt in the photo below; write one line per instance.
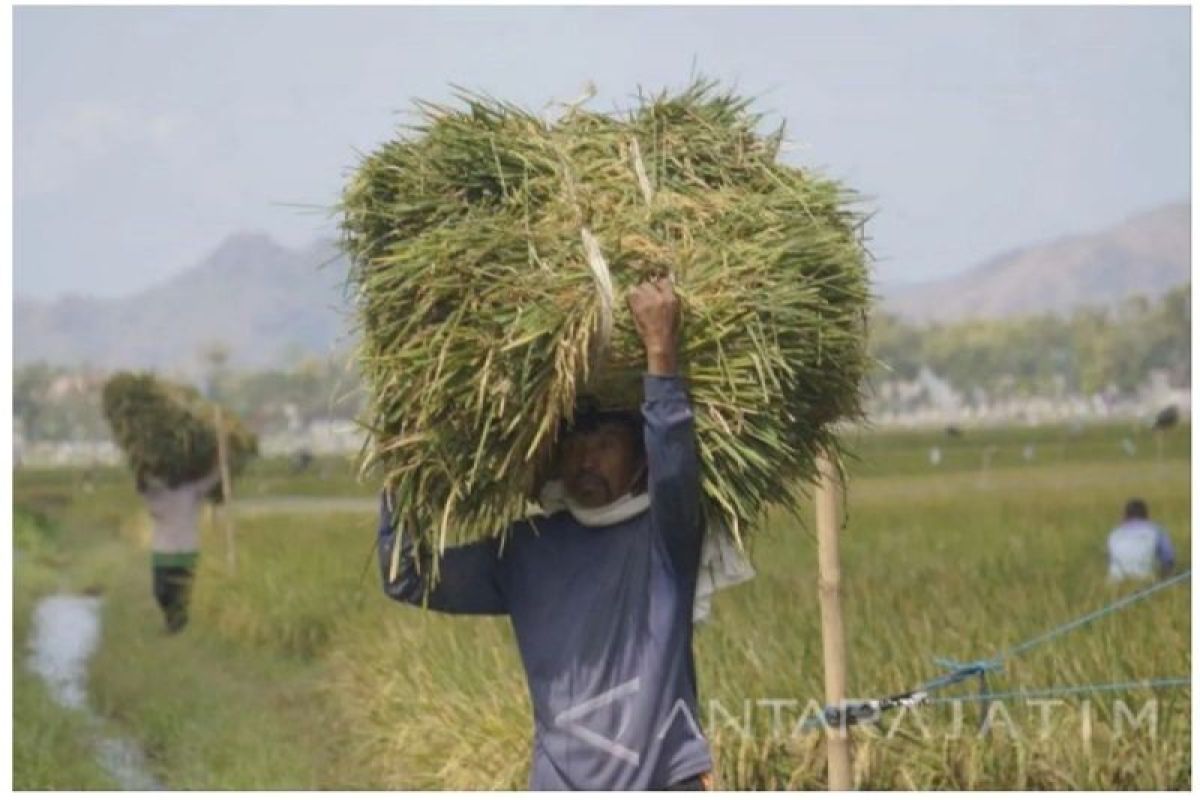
(175, 542)
(1137, 546)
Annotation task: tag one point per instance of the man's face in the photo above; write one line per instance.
(598, 466)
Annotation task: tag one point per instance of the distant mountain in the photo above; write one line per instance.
(269, 303)
(1148, 254)
(264, 301)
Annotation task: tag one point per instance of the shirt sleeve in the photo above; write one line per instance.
(209, 481)
(468, 576)
(673, 470)
(1163, 550)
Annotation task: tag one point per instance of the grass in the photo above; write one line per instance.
(940, 565)
(210, 710)
(52, 750)
(298, 673)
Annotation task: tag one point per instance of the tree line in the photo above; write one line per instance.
(1106, 350)
(1093, 350)
(59, 403)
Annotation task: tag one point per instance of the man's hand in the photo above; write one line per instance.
(655, 310)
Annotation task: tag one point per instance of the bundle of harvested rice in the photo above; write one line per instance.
(169, 431)
(491, 251)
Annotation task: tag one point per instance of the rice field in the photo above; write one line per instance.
(298, 673)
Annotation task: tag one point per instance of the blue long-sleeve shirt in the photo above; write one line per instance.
(602, 616)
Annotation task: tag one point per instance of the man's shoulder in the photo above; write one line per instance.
(1135, 528)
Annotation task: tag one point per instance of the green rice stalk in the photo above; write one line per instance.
(168, 430)
(477, 312)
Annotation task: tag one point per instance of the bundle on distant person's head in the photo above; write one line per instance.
(168, 430)
(491, 250)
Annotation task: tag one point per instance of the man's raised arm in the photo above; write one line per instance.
(672, 460)
(468, 575)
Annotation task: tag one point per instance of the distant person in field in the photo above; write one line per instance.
(601, 594)
(175, 541)
(1137, 546)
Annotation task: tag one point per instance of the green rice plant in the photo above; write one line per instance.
(325, 683)
(933, 565)
(490, 252)
(169, 431)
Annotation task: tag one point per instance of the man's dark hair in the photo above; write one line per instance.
(588, 419)
(1136, 509)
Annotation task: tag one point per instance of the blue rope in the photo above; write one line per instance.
(1095, 615)
(1056, 691)
(961, 671)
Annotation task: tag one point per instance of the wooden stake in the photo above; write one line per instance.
(833, 637)
(227, 494)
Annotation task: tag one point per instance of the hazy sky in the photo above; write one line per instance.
(144, 136)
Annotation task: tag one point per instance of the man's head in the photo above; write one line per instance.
(602, 457)
(1136, 509)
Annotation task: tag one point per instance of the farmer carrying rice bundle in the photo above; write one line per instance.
(168, 435)
(175, 540)
(600, 594)
(491, 254)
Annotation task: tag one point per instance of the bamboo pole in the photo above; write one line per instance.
(226, 493)
(833, 637)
